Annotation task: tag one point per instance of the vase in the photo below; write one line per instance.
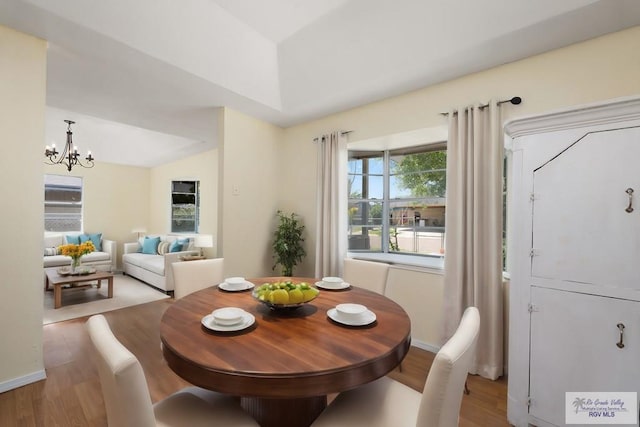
(75, 264)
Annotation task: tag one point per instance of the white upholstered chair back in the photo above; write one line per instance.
(442, 395)
(124, 387)
(366, 274)
(191, 276)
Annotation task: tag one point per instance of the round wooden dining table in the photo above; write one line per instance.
(285, 364)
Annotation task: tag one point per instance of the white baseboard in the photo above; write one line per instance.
(23, 380)
(425, 346)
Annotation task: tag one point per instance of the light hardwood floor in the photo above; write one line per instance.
(71, 395)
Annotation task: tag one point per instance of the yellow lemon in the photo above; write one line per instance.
(264, 295)
(279, 296)
(309, 294)
(295, 296)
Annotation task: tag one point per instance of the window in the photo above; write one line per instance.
(185, 206)
(397, 201)
(62, 203)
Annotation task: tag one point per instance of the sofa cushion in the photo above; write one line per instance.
(53, 241)
(95, 238)
(51, 251)
(150, 245)
(153, 263)
(62, 260)
(56, 261)
(163, 248)
(72, 238)
(178, 244)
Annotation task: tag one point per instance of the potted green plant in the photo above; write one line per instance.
(287, 243)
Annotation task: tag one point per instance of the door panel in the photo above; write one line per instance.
(573, 348)
(581, 231)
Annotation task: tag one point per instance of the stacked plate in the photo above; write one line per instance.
(235, 284)
(352, 314)
(332, 283)
(228, 319)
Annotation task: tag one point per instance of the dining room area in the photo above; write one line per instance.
(223, 352)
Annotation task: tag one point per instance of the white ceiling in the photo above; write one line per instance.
(121, 68)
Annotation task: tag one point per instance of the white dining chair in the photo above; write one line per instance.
(191, 276)
(366, 274)
(386, 402)
(127, 399)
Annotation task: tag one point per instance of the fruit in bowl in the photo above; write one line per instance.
(285, 294)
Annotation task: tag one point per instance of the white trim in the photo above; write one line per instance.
(425, 346)
(23, 380)
(426, 264)
(612, 111)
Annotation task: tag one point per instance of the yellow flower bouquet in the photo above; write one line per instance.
(76, 252)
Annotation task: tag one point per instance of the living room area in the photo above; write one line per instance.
(256, 167)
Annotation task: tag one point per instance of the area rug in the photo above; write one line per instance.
(81, 302)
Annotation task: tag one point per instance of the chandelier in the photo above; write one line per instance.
(70, 156)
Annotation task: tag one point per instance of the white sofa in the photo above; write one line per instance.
(104, 259)
(154, 269)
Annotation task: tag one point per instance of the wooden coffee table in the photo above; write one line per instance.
(58, 280)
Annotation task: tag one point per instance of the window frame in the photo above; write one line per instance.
(428, 261)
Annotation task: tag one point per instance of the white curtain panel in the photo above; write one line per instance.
(331, 211)
(473, 261)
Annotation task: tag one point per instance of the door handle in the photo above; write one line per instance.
(629, 191)
(620, 326)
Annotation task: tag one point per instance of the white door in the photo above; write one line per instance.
(574, 348)
(581, 230)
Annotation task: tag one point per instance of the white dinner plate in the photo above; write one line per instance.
(367, 318)
(247, 320)
(225, 287)
(323, 285)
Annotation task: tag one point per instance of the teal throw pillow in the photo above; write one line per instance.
(150, 245)
(178, 245)
(75, 239)
(96, 239)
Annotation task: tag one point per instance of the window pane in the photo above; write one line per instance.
(183, 199)
(184, 186)
(366, 187)
(367, 238)
(418, 174)
(365, 213)
(185, 206)
(366, 163)
(366, 175)
(62, 203)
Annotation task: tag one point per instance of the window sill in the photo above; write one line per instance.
(432, 264)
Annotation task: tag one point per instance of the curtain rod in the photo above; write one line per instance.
(515, 101)
(344, 132)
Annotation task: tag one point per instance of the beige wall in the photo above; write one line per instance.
(599, 69)
(420, 294)
(272, 169)
(116, 200)
(202, 167)
(250, 187)
(22, 109)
